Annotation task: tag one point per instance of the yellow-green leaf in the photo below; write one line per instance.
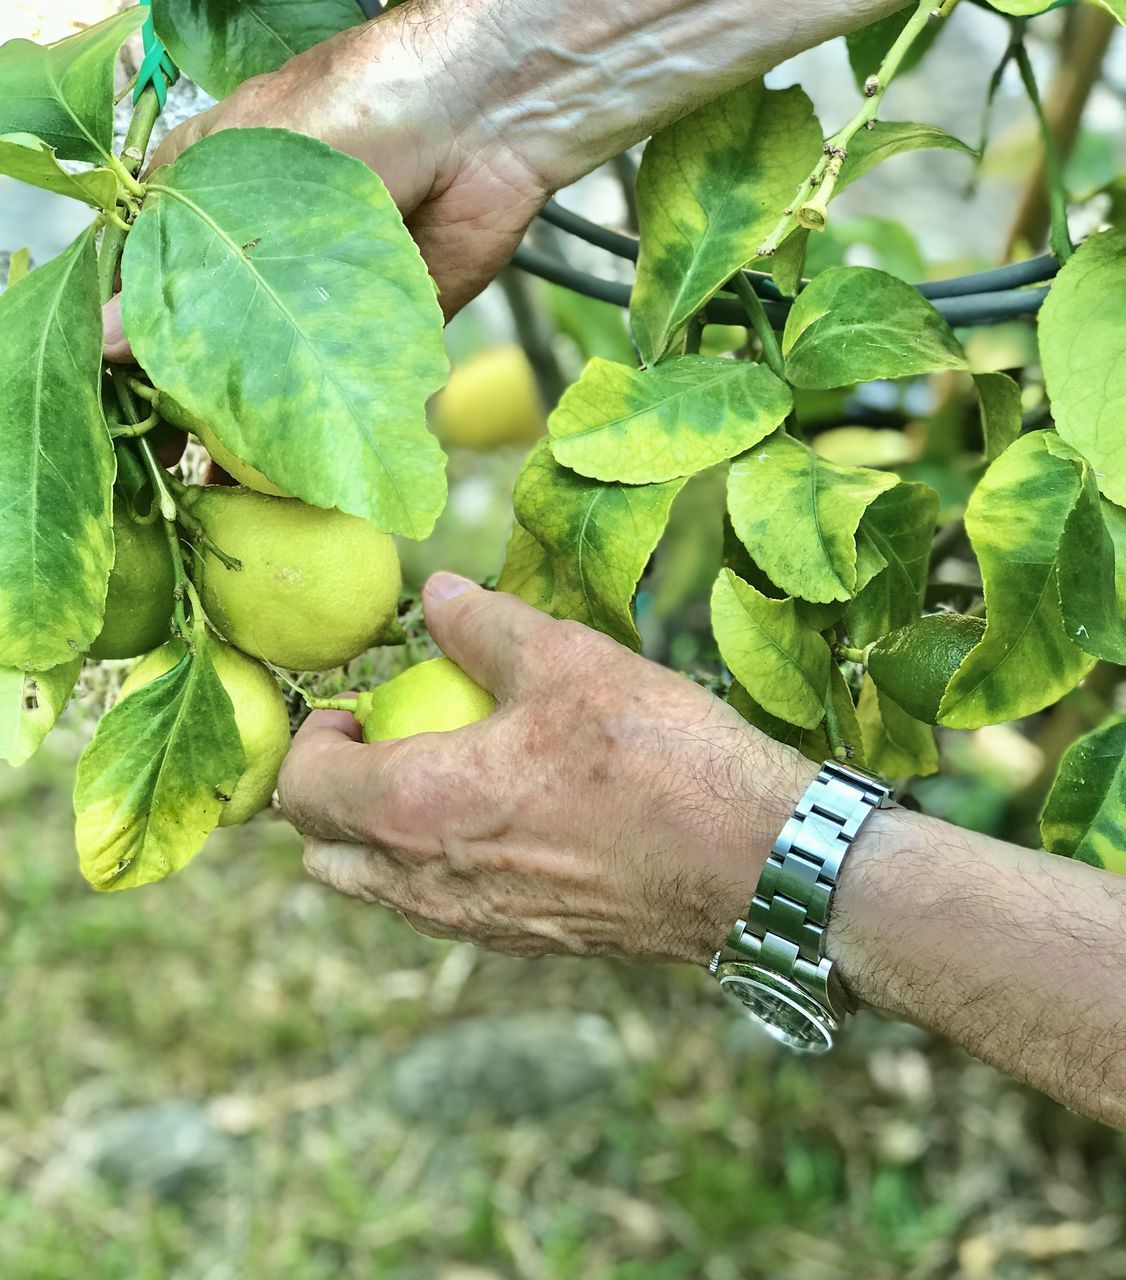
(1085, 813)
(1015, 521)
(595, 538)
(1083, 352)
(856, 324)
(63, 92)
(710, 189)
(29, 159)
(290, 311)
(812, 743)
(797, 514)
(895, 744)
(999, 397)
(779, 659)
(151, 783)
(29, 706)
(56, 530)
(642, 426)
(899, 527)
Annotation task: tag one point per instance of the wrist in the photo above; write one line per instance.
(888, 886)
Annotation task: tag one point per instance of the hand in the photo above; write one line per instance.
(383, 93)
(608, 806)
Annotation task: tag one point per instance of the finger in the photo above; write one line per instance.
(356, 870)
(492, 636)
(391, 794)
(328, 777)
(115, 345)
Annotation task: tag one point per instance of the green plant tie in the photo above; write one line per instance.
(157, 69)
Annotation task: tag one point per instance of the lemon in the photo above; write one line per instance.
(490, 400)
(914, 665)
(430, 697)
(139, 598)
(174, 412)
(316, 587)
(260, 714)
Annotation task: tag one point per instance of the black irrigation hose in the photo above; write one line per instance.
(985, 297)
(963, 311)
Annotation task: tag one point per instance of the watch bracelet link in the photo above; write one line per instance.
(784, 929)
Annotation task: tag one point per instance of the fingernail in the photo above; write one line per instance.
(445, 586)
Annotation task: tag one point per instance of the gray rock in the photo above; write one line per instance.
(165, 1148)
(506, 1067)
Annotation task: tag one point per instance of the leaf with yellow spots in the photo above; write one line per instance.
(151, 784)
(291, 312)
(56, 528)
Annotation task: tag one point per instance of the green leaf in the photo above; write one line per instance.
(150, 783)
(1085, 814)
(527, 570)
(1088, 568)
(1027, 658)
(646, 425)
(895, 744)
(856, 324)
(221, 43)
(63, 93)
(868, 47)
(899, 526)
(1114, 521)
(291, 312)
(780, 660)
(812, 743)
(29, 707)
(1025, 8)
(710, 189)
(999, 397)
(797, 513)
(788, 263)
(596, 539)
(56, 528)
(29, 159)
(1115, 7)
(890, 138)
(1083, 352)
(19, 266)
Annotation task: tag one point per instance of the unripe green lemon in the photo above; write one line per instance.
(316, 587)
(490, 400)
(260, 714)
(914, 665)
(174, 412)
(139, 599)
(430, 697)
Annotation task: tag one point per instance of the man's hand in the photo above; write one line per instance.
(608, 806)
(383, 93)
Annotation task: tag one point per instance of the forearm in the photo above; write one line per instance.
(569, 86)
(1017, 956)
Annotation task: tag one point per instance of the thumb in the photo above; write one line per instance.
(492, 636)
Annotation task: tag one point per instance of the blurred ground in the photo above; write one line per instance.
(237, 1074)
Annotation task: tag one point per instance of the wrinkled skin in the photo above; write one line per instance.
(608, 806)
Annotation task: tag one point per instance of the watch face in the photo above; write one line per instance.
(782, 1007)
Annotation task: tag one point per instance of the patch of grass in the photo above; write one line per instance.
(278, 1007)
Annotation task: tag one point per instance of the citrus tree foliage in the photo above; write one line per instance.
(277, 306)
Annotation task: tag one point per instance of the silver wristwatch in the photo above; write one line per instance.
(774, 961)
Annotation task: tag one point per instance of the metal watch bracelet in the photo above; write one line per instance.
(774, 961)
